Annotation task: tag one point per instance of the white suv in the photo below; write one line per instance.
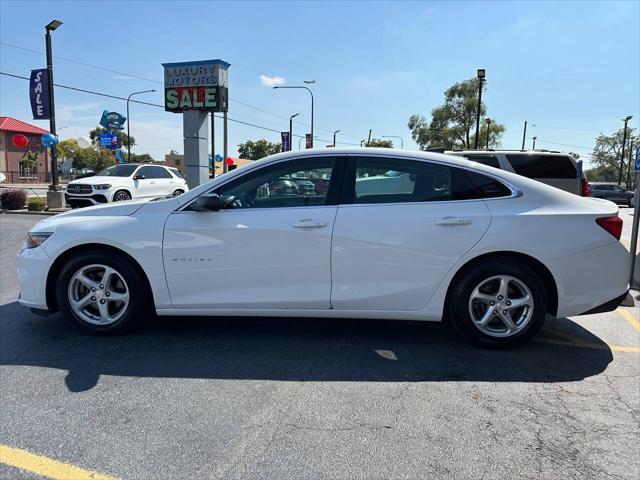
(124, 182)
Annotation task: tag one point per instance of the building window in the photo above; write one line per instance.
(178, 162)
(26, 172)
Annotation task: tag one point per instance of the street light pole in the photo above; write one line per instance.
(129, 123)
(488, 120)
(534, 143)
(334, 138)
(396, 136)
(310, 93)
(50, 27)
(629, 164)
(361, 142)
(524, 134)
(481, 77)
(291, 129)
(624, 140)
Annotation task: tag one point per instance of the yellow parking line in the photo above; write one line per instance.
(46, 467)
(628, 316)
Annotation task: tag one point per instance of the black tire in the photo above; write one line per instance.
(460, 295)
(140, 304)
(121, 196)
(179, 191)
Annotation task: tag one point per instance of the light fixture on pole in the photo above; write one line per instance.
(50, 27)
(624, 140)
(481, 79)
(334, 138)
(291, 128)
(395, 136)
(129, 123)
(488, 120)
(310, 93)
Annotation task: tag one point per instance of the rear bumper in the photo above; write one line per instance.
(609, 306)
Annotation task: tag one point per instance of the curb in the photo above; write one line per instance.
(47, 213)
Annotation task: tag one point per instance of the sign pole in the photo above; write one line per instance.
(636, 222)
(225, 145)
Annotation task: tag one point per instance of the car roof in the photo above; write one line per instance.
(522, 152)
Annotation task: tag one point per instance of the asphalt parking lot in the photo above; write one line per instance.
(312, 398)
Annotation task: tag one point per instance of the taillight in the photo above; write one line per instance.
(585, 187)
(613, 225)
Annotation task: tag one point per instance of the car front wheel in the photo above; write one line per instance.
(498, 304)
(102, 293)
(121, 196)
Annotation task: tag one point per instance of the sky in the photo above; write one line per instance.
(572, 69)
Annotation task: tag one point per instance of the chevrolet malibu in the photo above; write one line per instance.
(489, 250)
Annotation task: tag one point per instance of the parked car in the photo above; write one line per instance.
(305, 187)
(612, 192)
(283, 187)
(557, 169)
(492, 251)
(125, 182)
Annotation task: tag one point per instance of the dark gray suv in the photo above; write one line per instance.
(613, 192)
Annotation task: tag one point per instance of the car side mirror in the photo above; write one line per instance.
(138, 176)
(206, 203)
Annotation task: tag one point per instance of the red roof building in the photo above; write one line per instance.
(11, 156)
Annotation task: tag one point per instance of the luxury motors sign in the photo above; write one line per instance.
(201, 85)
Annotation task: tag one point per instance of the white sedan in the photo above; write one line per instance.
(492, 251)
(124, 182)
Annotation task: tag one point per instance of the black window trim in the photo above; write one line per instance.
(348, 181)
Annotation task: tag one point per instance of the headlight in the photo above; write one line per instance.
(104, 186)
(35, 239)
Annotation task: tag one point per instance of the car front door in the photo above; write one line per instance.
(144, 182)
(269, 248)
(391, 249)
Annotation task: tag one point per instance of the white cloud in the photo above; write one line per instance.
(268, 81)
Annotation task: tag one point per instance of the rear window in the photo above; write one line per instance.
(534, 165)
(176, 172)
(484, 159)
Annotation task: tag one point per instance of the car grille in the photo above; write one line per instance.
(79, 188)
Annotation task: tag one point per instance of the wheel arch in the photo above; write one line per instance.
(540, 268)
(59, 262)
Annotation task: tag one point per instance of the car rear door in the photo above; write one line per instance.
(267, 250)
(391, 249)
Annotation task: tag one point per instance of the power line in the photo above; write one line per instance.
(97, 67)
(101, 94)
(538, 139)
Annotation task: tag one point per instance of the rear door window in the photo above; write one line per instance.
(534, 165)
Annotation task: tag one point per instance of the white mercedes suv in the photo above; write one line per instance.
(124, 182)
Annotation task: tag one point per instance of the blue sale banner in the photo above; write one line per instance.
(638, 159)
(39, 94)
(286, 141)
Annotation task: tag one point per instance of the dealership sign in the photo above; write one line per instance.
(202, 85)
(39, 94)
(112, 120)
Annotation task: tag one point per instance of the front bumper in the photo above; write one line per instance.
(33, 265)
(77, 201)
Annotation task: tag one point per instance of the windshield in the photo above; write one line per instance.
(118, 171)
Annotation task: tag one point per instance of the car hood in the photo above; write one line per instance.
(95, 180)
(118, 209)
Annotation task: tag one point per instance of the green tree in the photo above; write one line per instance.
(251, 150)
(123, 139)
(452, 124)
(68, 149)
(378, 142)
(93, 158)
(606, 155)
(143, 158)
(30, 161)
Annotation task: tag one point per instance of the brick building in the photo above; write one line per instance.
(176, 160)
(11, 156)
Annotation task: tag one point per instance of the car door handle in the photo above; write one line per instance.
(308, 223)
(453, 221)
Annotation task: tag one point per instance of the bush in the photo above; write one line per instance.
(13, 199)
(36, 204)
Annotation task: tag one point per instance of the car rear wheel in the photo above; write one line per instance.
(121, 196)
(178, 192)
(102, 293)
(498, 304)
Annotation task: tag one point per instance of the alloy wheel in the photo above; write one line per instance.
(501, 306)
(98, 294)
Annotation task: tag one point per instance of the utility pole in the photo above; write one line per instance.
(534, 143)
(334, 138)
(481, 77)
(361, 142)
(488, 120)
(624, 140)
(369, 140)
(524, 134)
(627, 184)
